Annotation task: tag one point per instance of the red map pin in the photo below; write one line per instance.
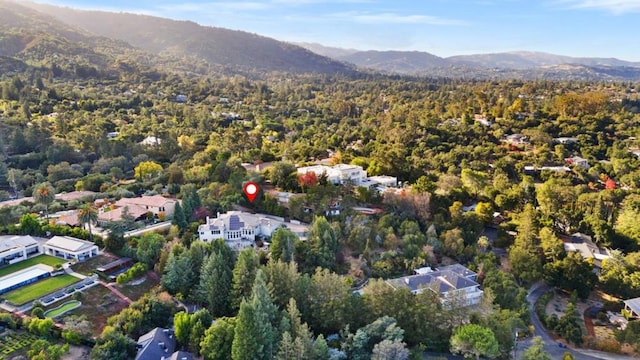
(251, 190)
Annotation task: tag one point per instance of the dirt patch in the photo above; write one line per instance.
(588, 323)
(89, 267)
(77, 353)
(141, 287)
(99, 303)
(558, 304)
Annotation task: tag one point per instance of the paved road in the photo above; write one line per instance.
(550, 345)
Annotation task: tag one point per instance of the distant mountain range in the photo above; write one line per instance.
(87, 43)
(509, 64)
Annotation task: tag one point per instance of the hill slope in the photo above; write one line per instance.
(229, 48)
(529, 59)
(395, 61)
(32, 40)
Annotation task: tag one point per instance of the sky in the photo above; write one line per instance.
(590, 28)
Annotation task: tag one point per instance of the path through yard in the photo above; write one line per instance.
(115, 291)
(588, 323)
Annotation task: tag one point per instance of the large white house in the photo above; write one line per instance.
(240, 229)
(15, 248)
(341, 174)
(69, 248)
(451, 283)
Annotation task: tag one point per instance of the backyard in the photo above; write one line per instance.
(89, 267)
(41, 259)
(598, 330)
(39, 289)
(136, 288)
(98, 303)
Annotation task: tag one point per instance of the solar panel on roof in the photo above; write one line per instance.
(235, 223)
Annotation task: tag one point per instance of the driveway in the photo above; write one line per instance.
(550, 345)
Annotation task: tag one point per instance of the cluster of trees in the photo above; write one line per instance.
(51, 343)
(85, 134)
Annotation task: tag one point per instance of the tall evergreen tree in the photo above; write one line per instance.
(283, 244)
(214, 288)
(266, 317)
(324, 244)
(246, 345)
(179, 277)
(179, 218)
(244, 275)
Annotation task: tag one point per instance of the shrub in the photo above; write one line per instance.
(136, 270)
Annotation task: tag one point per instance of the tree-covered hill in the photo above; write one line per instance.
(229, 48)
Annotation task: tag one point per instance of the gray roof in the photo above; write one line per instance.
(459, 269)
(14, 242)
(441, 281)
(155, 344)
(181, 355)
(634, 305)
(69, 243)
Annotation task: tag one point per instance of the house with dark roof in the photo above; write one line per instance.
(181, 355)
(159, 344)
(451, 283)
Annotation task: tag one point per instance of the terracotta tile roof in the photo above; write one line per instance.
(116, 214)
(155, 200)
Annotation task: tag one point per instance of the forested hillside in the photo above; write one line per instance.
(236, 50)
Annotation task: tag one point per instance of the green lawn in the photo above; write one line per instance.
(41, 259)
(68, 306)
(39, 289)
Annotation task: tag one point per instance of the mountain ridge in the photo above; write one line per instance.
(421, 62)
(31, 34)
(179, 38)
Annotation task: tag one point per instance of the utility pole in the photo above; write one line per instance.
(515, 346)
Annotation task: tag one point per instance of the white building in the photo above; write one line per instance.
(151, 141)
(565, 140)
(15, 248)
(341, 174)
(452, 283)
(578, 161)
(69, 248)
(240, 229)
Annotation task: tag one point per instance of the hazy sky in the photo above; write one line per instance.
(603, 28)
